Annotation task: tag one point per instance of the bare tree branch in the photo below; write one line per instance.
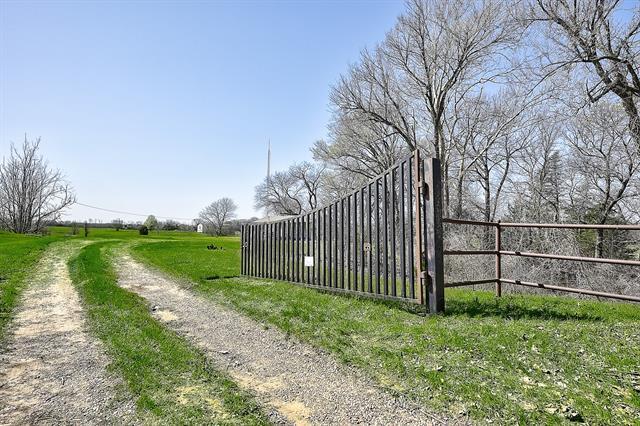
(31, 194)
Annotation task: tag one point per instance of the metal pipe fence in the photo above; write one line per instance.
(498, 253)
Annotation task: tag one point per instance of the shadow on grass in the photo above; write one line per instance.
(471, 305)
(508, 308)
(412, 308)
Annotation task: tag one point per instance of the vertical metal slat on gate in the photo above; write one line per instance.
(403, 225)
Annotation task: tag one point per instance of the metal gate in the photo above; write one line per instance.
(384, 240)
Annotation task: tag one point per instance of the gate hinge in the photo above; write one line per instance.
(424, 187)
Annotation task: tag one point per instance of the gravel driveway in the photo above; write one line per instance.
(52, 370)
(301, 383)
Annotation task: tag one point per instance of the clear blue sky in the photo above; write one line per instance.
(163, 107)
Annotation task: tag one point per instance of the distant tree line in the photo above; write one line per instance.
(33, 196)
(216, 222)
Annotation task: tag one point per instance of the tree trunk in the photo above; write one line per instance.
(487, 198)
(458, 209)
(487, 208)
(599, 242)
(630, 108)
(447, 190)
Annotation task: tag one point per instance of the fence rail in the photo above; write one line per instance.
(498, 253)
(383, 240)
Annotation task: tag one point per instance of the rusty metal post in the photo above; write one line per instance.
(434, 237)
(498, 260)
(418, 252)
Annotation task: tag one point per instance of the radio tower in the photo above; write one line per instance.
(269, 161)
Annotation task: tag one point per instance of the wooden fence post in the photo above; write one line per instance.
(435, 247)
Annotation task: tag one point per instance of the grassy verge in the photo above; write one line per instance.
(518, 359)
(18, 255)
(173, 383)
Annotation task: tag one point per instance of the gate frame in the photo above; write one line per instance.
(428, 248)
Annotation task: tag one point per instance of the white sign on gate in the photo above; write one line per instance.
(308, 261)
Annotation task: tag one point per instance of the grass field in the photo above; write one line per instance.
(518, 359)
(123, 234)
(171, 381)
(18, 255)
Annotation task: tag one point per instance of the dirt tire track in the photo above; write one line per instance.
(52, 371)
(303, 384)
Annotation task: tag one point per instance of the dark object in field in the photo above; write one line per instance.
(217, 277)
(144, 230)
(86, 230)
(214, 247)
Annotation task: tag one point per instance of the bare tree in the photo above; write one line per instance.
(590, 36)
(31, 193)
(485, 133)
(359, 146)
(291, 192)
(372, 91)
(337, 184)
(605, 164)
(309, 176)
(539, 185)
(441, 46)
(218, 213)
(437, 49)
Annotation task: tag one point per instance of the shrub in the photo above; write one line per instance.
(144, 230)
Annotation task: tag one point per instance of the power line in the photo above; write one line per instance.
(128, 213)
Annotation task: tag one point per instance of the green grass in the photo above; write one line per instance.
(18, 255)
(194, 257)
(518, 359)
(172, 382)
